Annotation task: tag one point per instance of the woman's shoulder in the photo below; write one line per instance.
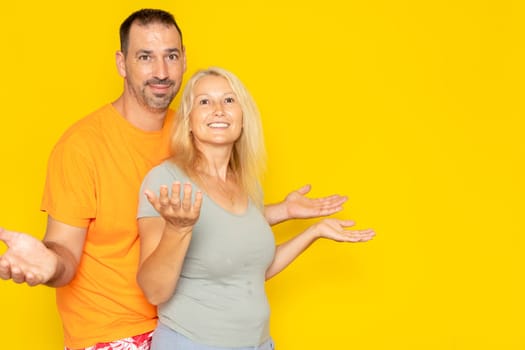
(168, 169)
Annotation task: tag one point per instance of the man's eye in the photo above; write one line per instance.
(173, 57)
(144, 57)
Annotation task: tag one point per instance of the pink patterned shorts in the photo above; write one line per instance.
(138, 342)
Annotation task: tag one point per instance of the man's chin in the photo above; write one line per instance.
(159, 104)
(156, 109)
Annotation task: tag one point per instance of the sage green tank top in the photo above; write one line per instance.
(220, 298)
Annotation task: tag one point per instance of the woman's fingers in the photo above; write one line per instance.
(175, 195)
(176, 204)
(198, 202)
(360, 235)
(164, 196)
(186, 199)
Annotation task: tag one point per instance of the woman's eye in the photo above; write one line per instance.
(203, 102)
(229, 100)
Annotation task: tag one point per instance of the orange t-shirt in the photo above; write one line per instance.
(93, 180)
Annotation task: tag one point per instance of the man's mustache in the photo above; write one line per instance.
(159, 82)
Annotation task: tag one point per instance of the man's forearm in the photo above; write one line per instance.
(65, 268)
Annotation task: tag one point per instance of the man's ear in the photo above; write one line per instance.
(120, 60)
(184, 57)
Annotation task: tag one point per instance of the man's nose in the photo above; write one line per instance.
(161, 70)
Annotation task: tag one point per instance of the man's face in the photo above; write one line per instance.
(154, 65)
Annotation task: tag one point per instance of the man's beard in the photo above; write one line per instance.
(156, 102)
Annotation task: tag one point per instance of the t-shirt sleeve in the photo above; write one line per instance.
(156, 177)
(69, 192)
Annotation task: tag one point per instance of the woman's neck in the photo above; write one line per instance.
(216, 163)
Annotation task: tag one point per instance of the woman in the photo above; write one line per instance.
(206, 248)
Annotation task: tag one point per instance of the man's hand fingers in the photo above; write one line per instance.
(5, 269)
(6, 236)
(17, 275)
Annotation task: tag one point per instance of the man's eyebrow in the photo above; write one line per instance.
(149, 52)
(173, 49)
(144, 51)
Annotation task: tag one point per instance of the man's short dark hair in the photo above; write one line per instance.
(145, 17)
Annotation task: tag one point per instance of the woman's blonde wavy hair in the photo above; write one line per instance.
(248, 159)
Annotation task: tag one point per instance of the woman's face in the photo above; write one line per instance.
(216, 115)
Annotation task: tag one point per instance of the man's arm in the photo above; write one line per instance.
(52, 262)
(297, 206)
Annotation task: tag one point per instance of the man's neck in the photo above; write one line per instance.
(139, 116)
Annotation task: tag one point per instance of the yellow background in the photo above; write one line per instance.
(414, 109)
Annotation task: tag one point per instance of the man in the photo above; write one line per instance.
(90, 251)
